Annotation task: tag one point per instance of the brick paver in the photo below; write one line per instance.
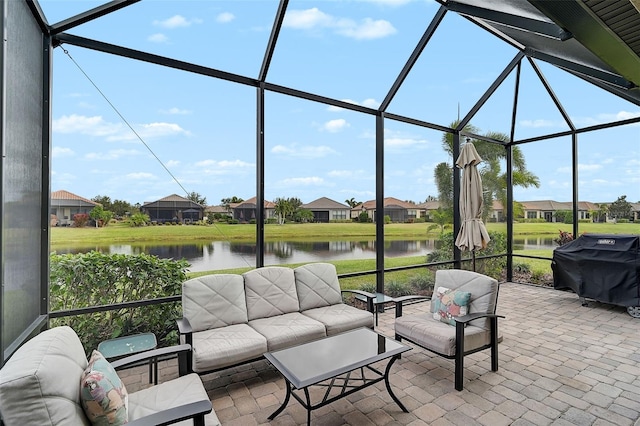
(559, 364)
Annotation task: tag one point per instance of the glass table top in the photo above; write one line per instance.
(322, 359)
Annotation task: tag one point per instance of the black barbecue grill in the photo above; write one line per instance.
(602, 267)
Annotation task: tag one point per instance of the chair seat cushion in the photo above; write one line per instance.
(174, 393)
(285, 330)
(221, 347)
(437, 336)
(340, 317)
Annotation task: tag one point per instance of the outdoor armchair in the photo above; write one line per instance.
(461, 319)
(47, 382)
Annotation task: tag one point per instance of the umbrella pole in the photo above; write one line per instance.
(473, 257)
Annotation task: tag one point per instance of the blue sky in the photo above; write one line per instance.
(203, 130)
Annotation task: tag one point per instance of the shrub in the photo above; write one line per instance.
(370, 287)
(563, 238)
(387, 219)
(492, 267)
(422, 282)
(363, 217)
(521, 267)
(397, 288)
(96, 279)
(80, 220)
(139, 219)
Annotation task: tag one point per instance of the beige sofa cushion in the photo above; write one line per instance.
(213, 301)
(317, 285)
(270, 291)
(286, 330)
(221, 347)
(340, 317)
(44, 375)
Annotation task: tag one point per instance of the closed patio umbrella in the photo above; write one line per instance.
(473, 234)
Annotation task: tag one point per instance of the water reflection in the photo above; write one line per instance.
(226, 255)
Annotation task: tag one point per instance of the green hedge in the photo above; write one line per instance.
(95, 279)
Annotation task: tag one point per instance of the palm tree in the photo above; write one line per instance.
(352, 202)
(494, 180)
(282, 209)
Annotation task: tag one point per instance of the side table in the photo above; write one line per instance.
(128, 345)
(378, 303)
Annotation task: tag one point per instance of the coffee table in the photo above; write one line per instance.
(335, 362)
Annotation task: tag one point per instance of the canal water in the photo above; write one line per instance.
(226, 255)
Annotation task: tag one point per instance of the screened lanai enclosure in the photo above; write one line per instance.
(385, 94)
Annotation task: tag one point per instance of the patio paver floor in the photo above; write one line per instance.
(559, 364)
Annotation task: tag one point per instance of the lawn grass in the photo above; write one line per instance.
(122, 233)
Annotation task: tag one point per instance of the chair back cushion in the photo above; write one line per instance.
(483, 289)
(214, 301)
(40, 384)
(270, 291)
(317, 285)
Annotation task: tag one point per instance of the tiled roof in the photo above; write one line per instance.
(66, 195)
(252, 200)
(325, 203)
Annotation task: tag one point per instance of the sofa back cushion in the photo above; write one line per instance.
(40, 384)
(483, 289)
(270, 291)
(214, 301)
(317, 285)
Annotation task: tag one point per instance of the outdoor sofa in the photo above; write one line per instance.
(232, 319)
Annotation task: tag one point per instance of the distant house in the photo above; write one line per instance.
(173, 208)
(325, 209)
(427, 208)
(217, 209)
(398, 210)
(245, 211)
(64, 205)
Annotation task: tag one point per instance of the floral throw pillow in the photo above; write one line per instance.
(103, 395)
(449, 304)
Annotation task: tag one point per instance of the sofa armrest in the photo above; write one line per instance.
(399, 301)
(369, 297)
(194, 410)
(182, 351)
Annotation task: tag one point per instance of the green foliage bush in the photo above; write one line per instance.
(96, 279)
(395, 288)
(492, 267)
(422, 282)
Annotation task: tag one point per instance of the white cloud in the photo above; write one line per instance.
(335, 126)
(223, 167)
(150, 131)
(303, 151)
(225, 17)
(588, 167)
(539, 123)
(397, 142)
(176, 21)
(369, 103)
(113, 154)
(93, 126)
(59, 152)
(158, 38)
(173, 163)
(175, 111)
(303, 181)
(367, 29)
(315, 19)
(96, 126)
(340, 173)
